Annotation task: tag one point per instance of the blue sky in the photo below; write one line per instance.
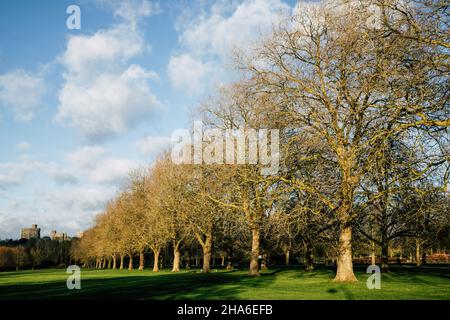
(81, 108)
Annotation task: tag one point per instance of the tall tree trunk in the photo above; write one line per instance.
(104, 264)
(130, 263)
(373, 254)
(384, 255)
(424, 254)
(223, 261)
(109, 263)
(309, 259)
(254, 268)
(344, 271)
(114, 262)
(141, 260)
(207, 248)
(156, 259)
(287, 257)
(176, 258)
(122, 258)
(264, 261)
(229, 263)
(188, 262)
(418, 261)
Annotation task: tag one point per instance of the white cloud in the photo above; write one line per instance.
(85, 198)
(187, 73)
(23, 146)
(85, 157)
(21, 93)
(14, 173)
(94, 164)
(152, 145)
(112, 170)
(133, 10)
(209, 40)
(106, 50)
(111, 104)
(104, 94)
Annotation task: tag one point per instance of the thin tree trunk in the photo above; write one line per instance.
(176, 259)
(385, 256)
(188, 262)
(114, 262)
(344, 271)
(255, 252)
(264, 262)
(309, 259)
(109, 263)
(141, 260)
(373, 254)
(287, 257)
(130, 263)
(424, 255)
(229, 263)
(156, 260)
(122, 258)
(223, 261)
(104, 264)
(418, 261)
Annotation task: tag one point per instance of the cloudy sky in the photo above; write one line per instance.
(80, 108)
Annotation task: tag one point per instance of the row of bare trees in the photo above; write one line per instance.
(359, 92)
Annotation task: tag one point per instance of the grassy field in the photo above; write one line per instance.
(402, 283)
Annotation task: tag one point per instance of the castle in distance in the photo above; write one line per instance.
(31, 233)
(35, 233)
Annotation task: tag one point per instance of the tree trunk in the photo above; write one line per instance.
(344, 271)
(424, 255)
(114, 262)
(130, 263)
(229, 263)
(141, 260)
(264, 262)
(373, 254)
(156, 260)
(176, 259)
(104, 264)
(188, 262)
(109, 263)
(223, 261)
(255, 252)
(385, 256)
(287, 257)
(309, 259)
(207, 248)
(122, 257)
(418, 261)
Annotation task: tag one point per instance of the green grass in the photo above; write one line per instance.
(401, 283)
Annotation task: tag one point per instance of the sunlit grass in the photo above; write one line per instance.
(401, 283)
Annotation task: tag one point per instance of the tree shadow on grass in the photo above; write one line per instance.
(223, 285)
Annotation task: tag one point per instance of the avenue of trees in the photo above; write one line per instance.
(359, 92)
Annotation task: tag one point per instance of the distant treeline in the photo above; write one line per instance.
(33, 253)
